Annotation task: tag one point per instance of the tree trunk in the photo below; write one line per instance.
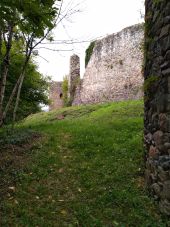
(9, 101)
(5, 69)
(18, 96)
(0, 49)
(20, 86)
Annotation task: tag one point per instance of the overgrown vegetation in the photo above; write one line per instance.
(65, 91)
(26, 23)
(149, 82)
(88, 171)
(34, 90)
(89, 52)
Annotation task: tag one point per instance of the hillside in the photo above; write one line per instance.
(79, 166)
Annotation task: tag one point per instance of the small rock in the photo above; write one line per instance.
(166, 166)
(163, 122)
(167, 145)
(165, 194)
(61, 170)
(164, 206)
(153, 152)
(156, 188)
(163, 175)
(148, 138)
(157, 136)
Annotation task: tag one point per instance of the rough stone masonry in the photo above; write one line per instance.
(114, 70)
(112, 74)
(157, 101)
(55, 95)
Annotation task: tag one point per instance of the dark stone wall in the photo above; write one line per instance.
(157, 100)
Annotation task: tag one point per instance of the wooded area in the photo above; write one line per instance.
(23, 26)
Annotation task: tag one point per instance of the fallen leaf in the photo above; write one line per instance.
(16, 202)
(79, 189)
(12, 189)
(61, 170)
(64, 212)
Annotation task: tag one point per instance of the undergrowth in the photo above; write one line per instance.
(87, 172)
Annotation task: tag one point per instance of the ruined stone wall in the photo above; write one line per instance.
(73, 77)
(157, 101)
(55, 95)
(114, 70)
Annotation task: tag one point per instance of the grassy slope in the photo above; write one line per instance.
(87, 172)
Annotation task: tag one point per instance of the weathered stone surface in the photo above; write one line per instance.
(165, 207)
(163, 122)
(165, 65)
(158, 163)
(165, 43)
(167, 56)
(156, 188)
(166, 189)
(167, 20)
(55, 95)
(157, 137)
(148, 138)
(165, 31)
(153, 152)
(166, 72)
(74, 77)
(167, 145)
(162, 175)
(111, 75)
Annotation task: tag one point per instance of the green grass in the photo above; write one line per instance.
(87, 170)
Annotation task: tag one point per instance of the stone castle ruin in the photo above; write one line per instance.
(113, 72)
(56, 95)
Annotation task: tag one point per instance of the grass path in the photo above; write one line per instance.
(87, 170)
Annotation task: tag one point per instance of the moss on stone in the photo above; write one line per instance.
(149, 82)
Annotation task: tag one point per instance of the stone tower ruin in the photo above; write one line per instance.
(56, 95)
(74, 76)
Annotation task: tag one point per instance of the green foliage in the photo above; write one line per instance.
(89, 52)
(65, 90)
(35, 87)
(29, 22)
(157, 2)
(30, 16)
(88, 172)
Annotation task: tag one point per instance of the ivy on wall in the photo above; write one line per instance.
(89, 52)
(65, 90)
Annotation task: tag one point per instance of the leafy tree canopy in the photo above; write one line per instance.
(35, 87)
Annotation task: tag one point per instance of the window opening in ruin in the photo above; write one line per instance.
(61, 95)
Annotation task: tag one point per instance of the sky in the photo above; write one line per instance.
(86, 20)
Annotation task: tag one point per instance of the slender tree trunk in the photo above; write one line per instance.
(18, 96)
(18, 86)
(5, 69)
(28, 54)
(10, 101)
(0, 48)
